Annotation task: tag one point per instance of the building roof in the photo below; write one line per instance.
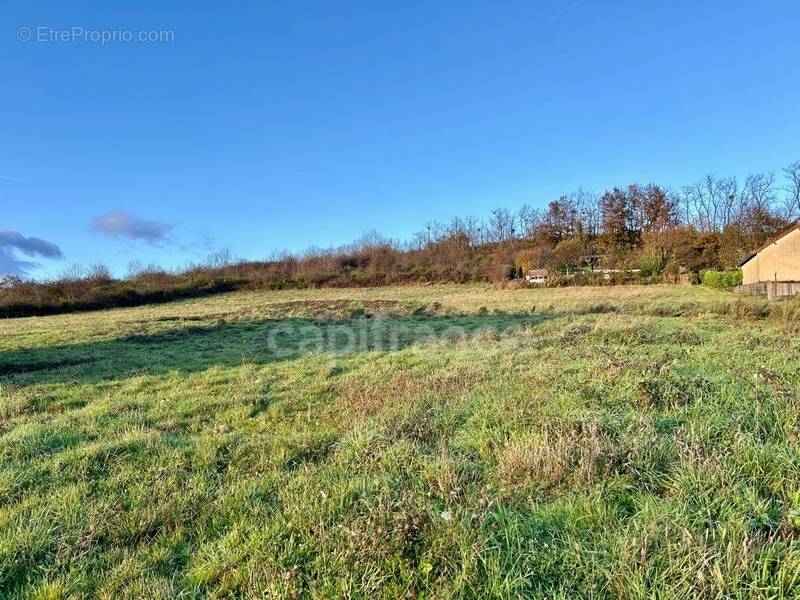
(538, 273)
(782, 234)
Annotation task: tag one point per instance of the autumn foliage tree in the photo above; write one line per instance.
(657, 232)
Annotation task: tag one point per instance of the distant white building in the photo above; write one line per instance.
(538, 276)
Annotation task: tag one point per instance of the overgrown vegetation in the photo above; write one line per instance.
(437, 441)
(637, 234)
(721, 279)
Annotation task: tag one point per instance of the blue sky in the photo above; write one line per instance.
(279, 125)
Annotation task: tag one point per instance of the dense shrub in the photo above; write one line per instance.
(721, 279)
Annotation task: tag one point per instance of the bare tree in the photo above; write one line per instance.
(220, 258)
(501, 226)
(758, 193)
(792, 188)
(711, 202)
(98, 273)
(529, 220)
(726, 196)
(431, 233)
(686, 206)
(467, 228)
(587, 211)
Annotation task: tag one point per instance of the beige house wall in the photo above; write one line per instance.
(780, 261)
(750, 271)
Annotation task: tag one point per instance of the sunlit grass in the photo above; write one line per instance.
(628, 442)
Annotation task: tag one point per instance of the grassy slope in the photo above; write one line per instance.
(624, 442)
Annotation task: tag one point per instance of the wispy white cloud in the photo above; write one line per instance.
(119, 224)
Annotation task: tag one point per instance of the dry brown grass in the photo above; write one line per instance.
(389, 384)
(545, 459)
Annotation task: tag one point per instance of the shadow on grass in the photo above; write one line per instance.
(199, 347)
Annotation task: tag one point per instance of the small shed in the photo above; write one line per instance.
(538, 276)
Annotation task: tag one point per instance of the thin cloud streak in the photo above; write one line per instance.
(558, 14)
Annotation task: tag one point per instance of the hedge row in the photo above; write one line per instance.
(721, 279)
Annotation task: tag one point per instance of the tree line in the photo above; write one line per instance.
(653, 231)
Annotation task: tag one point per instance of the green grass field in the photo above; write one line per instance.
(436, 442)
